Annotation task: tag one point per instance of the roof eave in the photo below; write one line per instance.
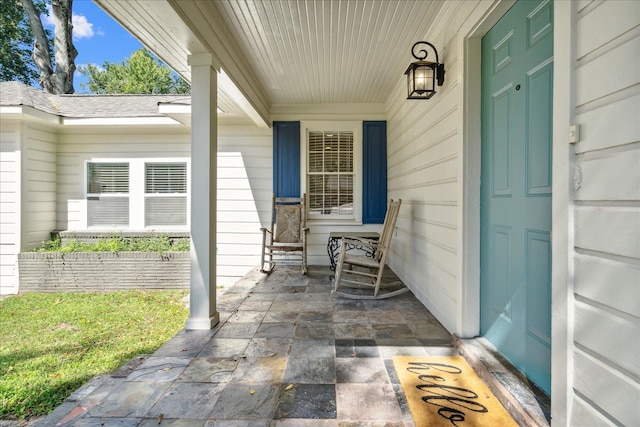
(28, 113)
(120, 121)
(174, 30)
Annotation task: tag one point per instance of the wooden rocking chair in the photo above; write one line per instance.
(286, 241)
(366, 272)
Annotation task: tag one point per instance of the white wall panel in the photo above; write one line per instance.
(584, 414)
(606, 23)
(611, 335)
(613, 230)
(620, 401)
(10, 153)
(599, 124)
(606, 217)
(613, 283)
(609, 175)
(39, 185)
(617, 77)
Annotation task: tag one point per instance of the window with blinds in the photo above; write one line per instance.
(330, 173)
(165, 194)
(107, 194)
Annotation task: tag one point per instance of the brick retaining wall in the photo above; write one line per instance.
(102, 271)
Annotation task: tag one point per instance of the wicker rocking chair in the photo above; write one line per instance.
(285, 242)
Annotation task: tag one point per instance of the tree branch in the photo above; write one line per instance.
(41, 55)
(65, 50)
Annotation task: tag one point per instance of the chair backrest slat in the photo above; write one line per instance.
(388, 228)
(288, 219)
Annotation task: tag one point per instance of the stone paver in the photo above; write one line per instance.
(287, 352)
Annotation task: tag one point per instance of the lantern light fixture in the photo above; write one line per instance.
(422, 75)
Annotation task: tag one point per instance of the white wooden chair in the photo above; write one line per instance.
(367, 272)
(285, 242)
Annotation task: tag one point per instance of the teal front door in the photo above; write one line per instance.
(515, 199)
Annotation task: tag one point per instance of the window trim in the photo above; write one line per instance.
(323, 126)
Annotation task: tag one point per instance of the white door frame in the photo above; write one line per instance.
(562, 198)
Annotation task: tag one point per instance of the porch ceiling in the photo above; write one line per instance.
(285, 52)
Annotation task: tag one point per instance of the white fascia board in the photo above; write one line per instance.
(11, 109)
(26, 112)
(178, 112)
(169, 108)
(119, 121)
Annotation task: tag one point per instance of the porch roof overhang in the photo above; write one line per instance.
(277, 54)
(174, 30)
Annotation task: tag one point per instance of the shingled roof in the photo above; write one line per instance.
(86, 105)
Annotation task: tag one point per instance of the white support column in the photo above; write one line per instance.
(204, 149)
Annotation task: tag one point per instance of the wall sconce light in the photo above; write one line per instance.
(422, 75)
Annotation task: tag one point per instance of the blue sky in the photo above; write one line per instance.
(97, 37)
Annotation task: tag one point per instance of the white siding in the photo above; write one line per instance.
(77, 147)
(245, 187)
(38, 185)
(319, 230)
(427, 147)
(424, 158)
(607, 216)
(244, 183)
(10, 132)
(244, 198)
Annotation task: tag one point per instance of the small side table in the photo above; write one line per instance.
(333, 245)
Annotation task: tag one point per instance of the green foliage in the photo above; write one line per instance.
(141, 73)
(79, 336)
(118, 243)
(16, 43)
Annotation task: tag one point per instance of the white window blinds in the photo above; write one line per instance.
(107, 194)
(165, 194)
(330, 173)
(166, 178)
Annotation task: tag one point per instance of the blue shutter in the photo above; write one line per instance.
(286, 159)
(374, 172)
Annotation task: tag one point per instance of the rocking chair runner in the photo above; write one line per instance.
(366, 272)
(286, 241)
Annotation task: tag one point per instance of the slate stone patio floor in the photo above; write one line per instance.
(285, 353)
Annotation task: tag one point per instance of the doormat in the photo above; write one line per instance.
(445, 391)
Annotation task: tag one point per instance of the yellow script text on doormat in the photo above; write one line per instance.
(445, 391)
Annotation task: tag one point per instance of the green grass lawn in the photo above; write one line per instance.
(51, 344)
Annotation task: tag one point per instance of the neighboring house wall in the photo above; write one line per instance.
(38, 177)
(27, 193)
(10, 136)
(77, 146)
(606, 216)
(244, 182)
